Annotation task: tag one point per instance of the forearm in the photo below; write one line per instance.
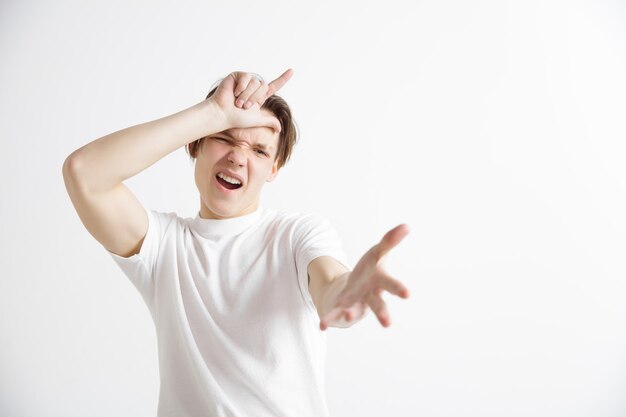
(102, 164)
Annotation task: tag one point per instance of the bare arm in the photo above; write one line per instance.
(327, 278)
(106, 162)
(94, 173)
(342, 297)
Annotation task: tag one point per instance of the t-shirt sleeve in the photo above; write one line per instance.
(139, 268)
(315, 236)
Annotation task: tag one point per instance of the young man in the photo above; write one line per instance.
(240, 295)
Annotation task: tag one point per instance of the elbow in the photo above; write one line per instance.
(70, 170)
(69, 165)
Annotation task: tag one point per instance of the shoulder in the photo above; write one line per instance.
(302, 229)
(167, 216)
(166, 220)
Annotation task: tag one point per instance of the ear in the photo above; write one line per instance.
(273, 173)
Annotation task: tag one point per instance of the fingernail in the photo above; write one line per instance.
(248, 104)
(239, 103)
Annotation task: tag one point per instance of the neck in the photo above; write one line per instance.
(206, 213)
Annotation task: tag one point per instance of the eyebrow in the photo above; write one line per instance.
(260, 145)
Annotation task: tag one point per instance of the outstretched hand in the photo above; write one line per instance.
(367, 282)
(240, 96)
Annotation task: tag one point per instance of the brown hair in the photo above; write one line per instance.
(288, 132)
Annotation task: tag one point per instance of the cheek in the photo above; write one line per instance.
(204, 165)
(201, 173)
(197, 177)
(260, 172)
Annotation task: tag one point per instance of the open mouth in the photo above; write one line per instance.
(228, 182)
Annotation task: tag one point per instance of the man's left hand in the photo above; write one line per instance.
(367, 282)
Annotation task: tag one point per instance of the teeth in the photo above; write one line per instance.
(229, 179)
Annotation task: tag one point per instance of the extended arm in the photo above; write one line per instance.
(343, 297)
(327, 279)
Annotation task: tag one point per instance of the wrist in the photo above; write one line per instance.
(333, 291)
(213, 117)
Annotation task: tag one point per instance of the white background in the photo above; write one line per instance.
(495, 129)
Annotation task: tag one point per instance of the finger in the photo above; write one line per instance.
(258, 96)
(390, 240)
(242, 79)
(346, 313)
(331, 317)
(392, 285)
(379, 308)
(279, 82)
(253, 85)
(355, 312)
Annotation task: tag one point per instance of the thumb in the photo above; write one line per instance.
(271, 122)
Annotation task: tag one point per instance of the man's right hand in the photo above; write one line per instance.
(240, 96)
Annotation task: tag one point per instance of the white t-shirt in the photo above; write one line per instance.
(238, 334)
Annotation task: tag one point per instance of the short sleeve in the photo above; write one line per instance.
(315, 236)
(139, 268)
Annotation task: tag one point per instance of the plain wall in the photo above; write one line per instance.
(495, 129)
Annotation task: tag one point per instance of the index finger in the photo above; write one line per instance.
(391, 239)
(279, 82)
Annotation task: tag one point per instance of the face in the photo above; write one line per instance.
(231, 169)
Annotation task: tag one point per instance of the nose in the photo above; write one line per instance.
(237, 156)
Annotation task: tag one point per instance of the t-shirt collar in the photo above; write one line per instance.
(224, 227)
